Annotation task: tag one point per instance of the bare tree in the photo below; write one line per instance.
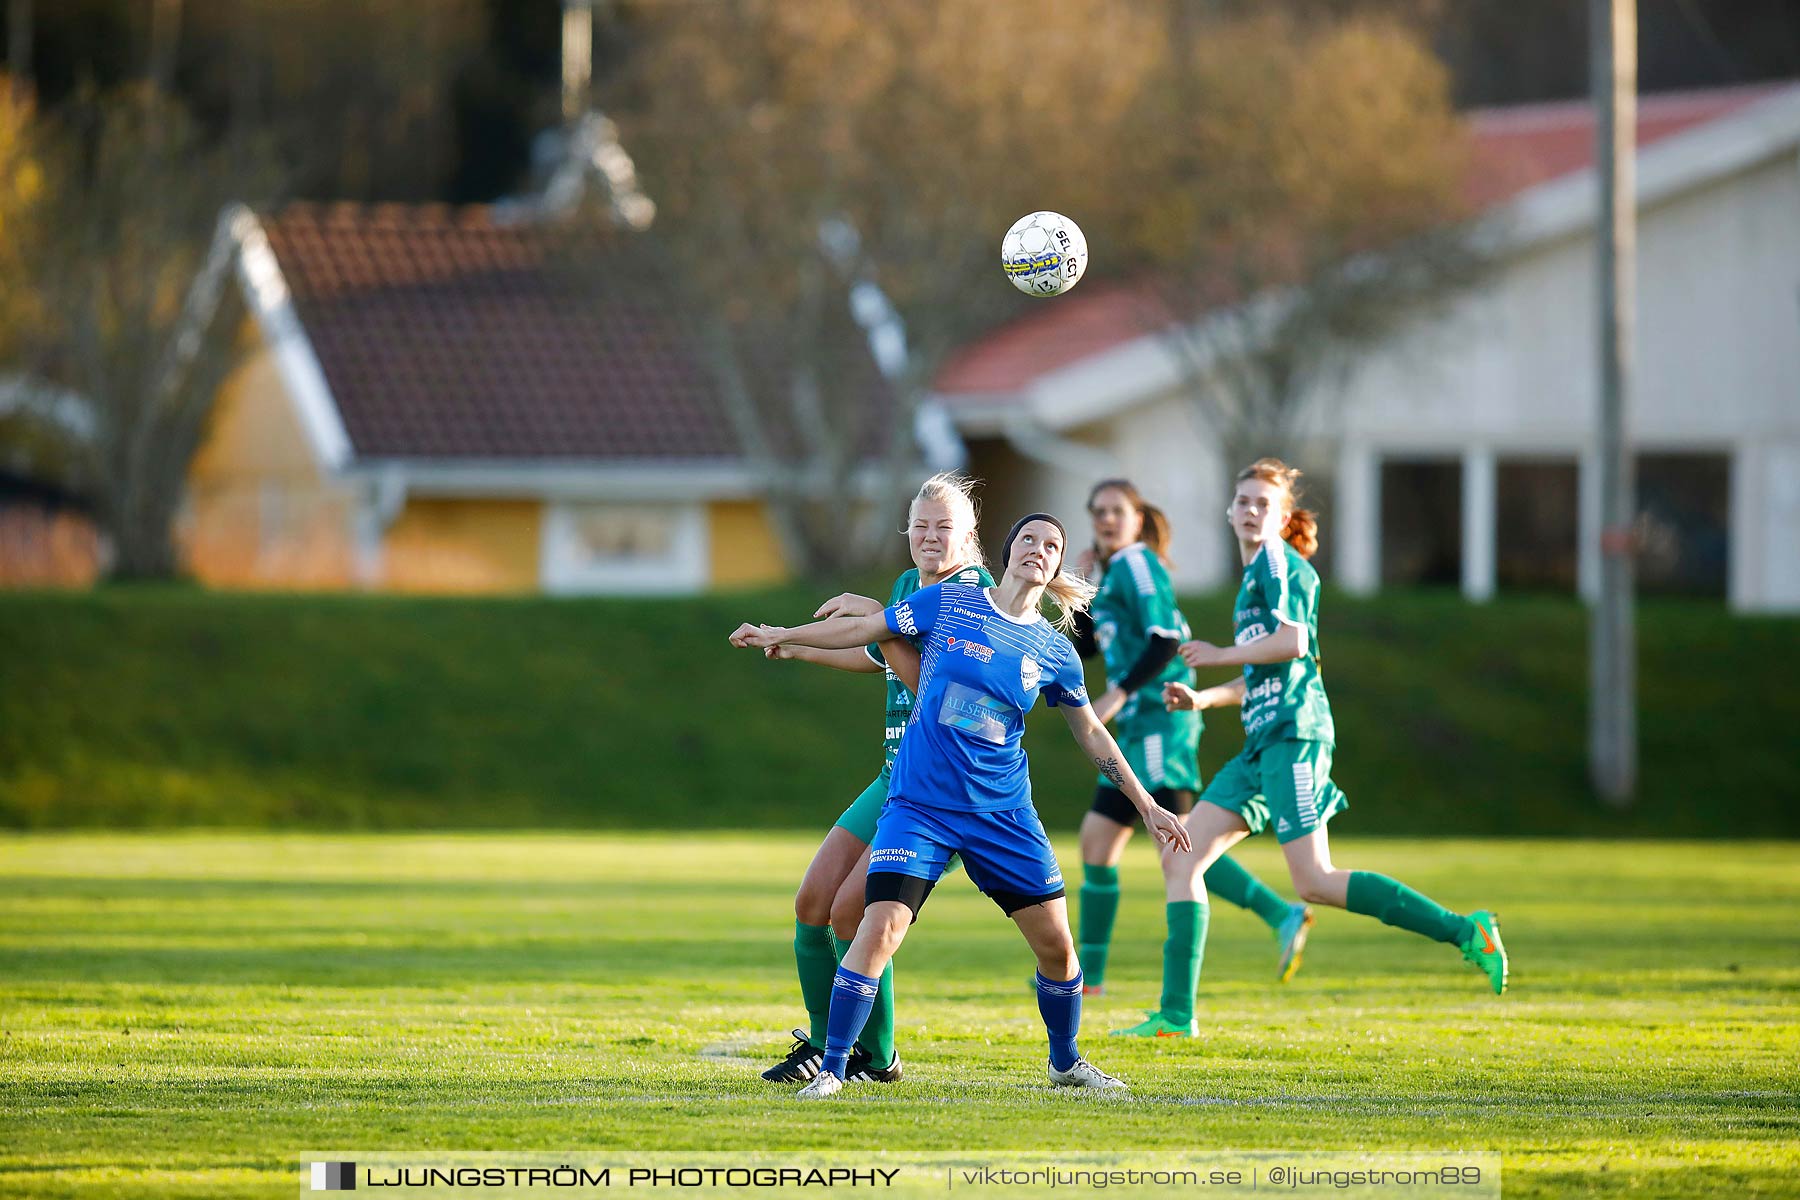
(1307, 204)
(127, 267)
(804, 150)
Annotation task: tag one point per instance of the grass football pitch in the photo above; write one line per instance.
(184, 1014)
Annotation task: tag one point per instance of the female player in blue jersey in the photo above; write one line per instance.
(961, 784)
(942, 536)
(1282, 779)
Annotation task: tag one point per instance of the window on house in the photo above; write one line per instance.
(1684, 521)
(1539, 520)
(613, 548)
(1421, 522)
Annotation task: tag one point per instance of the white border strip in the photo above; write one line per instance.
(267, 292)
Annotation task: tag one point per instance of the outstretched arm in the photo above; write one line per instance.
(1099, 745)
(1287, 643)
(857, 662)
(1179, 696)
(845, 604)
(903, 657)
(835, 633)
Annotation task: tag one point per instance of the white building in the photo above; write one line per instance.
(1479, 429)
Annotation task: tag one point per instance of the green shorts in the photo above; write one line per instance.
(1287, 785)
(860, 819)
(1160, 748)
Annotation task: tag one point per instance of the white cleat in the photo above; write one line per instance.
(824, 1086)
(1085, 1074)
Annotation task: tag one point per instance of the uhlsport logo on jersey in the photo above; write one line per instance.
(974, 650)
(333, 1176)
(1029, 672)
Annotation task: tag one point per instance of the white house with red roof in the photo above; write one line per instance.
(1463, 450)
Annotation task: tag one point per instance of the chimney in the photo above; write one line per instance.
(578, 57)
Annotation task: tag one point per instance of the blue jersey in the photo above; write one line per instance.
(980, 672)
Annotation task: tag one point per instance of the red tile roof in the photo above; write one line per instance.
(444, 334)
(1514, 149)
(1054, 334)
(1519, 147)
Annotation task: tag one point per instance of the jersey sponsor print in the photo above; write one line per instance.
(981, 671)
(899, 696)
(1286, 699)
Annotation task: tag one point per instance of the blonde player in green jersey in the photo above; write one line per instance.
(942, 537)
(1282, 779)
(1136, 626)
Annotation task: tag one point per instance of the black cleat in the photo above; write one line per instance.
(801, 1064)
(861, 1070)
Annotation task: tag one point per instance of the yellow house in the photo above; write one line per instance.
(435, 401)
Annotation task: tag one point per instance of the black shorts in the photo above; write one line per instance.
(913, 891)
(1111, 803)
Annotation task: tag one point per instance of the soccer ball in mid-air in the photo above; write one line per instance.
(1044, 254)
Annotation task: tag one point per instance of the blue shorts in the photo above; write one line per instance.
(1007, 853)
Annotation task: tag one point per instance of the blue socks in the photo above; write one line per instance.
(852, 996)
(1060, 1006)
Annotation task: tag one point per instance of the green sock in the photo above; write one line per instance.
(1182, 953)
(1227, 880)
(817, 960)
(1099, 905)
(878, 1034)
(1393, 903)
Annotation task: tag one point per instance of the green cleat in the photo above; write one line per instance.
(1160, 1026)
(1485, 950)
(1292, 938)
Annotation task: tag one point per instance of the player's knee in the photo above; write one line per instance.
(812, 904)
(1313, 889)
(846, 915)
(1058, 962)
(887, 922)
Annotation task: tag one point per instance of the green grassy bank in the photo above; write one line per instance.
(134, 707)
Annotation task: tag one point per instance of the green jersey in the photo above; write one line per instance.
(1136, 602)
(900, 698)
(1282, 700)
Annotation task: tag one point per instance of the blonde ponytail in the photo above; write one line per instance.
(1070, 594)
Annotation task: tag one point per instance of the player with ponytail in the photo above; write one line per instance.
(941, 534)
(962, 785)
(1136, 626)
(1282, 779)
